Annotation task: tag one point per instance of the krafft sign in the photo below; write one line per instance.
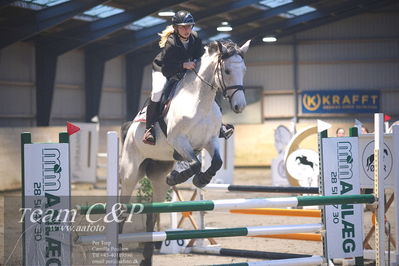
(341, 101)
(344, 223)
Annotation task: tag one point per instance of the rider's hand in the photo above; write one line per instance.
(189, 65)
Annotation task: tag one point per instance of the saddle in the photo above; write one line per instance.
(164, 104)
(167, 96)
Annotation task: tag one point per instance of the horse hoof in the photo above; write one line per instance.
(171, 178)
(200, 180)
(146, 262)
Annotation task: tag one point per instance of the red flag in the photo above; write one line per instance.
(71, 128)
(387, 117)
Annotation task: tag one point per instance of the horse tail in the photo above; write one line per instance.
(124, 129)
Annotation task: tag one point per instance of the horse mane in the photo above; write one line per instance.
(231, 48)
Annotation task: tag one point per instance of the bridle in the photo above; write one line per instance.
(219, 74)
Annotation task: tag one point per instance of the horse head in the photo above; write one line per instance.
(230, 71)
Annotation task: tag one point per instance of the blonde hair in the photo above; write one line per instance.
(165, 34)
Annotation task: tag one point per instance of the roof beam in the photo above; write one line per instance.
(123, 44)
(18, 28)
(67, 40)
(333, 18)
(146, 32)
(224, 8)
(269, 13)
(71, 39)
(273, 12)
(129, 42)
(271, 29)
(6, 3)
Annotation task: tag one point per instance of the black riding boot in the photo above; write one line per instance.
(226, 131)
(151, 117)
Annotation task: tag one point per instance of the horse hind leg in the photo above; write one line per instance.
(124, 129)
(156, 172)
(131, 170)
(130, 173)
(130, 165)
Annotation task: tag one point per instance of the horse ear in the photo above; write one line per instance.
(245, 47)
(213, 47)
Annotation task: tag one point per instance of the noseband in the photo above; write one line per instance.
(219, 74)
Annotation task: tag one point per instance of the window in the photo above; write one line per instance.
(146, 22)
(301, 10)
(274, 3)
(103, 11)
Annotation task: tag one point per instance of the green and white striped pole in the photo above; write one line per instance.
(206, 233)
(230, 204)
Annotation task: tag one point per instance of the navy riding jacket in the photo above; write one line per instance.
(170, 60)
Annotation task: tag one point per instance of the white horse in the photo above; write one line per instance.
(193, 123)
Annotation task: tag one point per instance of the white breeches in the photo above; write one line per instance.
(158, 83)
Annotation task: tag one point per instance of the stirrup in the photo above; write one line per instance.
(226, 131)
(149, 136)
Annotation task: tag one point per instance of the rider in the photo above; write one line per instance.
(181, 47)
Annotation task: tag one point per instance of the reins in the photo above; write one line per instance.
(219, 75)
(203, 80)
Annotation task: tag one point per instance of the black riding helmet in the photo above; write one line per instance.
(182, 18)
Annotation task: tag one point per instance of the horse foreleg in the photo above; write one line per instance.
(202, 179)
(184, 148)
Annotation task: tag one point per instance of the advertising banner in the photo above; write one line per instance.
(46, 204)
(340, 101)
(344, 223)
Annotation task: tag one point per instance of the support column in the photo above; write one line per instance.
(94, 75)
(46, 66)
(134, 79)
(295, 78)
